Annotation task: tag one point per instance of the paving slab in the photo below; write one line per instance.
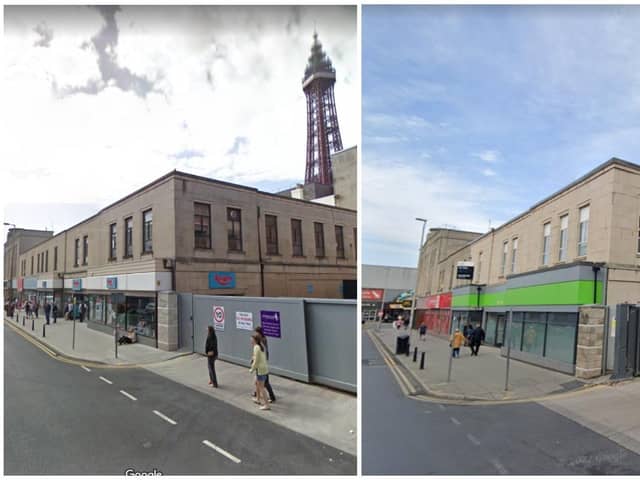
(475, 377)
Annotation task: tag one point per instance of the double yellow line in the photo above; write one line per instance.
(72, 361)
(405, 385)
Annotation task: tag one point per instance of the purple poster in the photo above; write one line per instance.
(270, 322)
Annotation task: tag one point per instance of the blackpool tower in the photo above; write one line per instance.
(323, 132)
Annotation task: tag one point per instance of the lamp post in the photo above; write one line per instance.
(413, 302)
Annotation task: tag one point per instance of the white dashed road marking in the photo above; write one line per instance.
(221, 451)
(164, 417)
(455, 420)
(427, 411)
(128, 395)
(473, 439)
(85, 368)
(499, 467)
(106, 380)
(442, 407)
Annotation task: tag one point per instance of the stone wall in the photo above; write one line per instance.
(167, 321)
(590, 341)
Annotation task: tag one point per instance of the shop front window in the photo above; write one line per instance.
(534, 332)
(490, 329)
(561, 337)
(141, 315)
(516, 331)
(96, 309)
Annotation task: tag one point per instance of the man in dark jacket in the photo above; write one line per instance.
(477, 337)
(47, 311)
(211, 349)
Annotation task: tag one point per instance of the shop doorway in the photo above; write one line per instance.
(627, 347)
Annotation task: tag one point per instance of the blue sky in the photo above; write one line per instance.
(471, 114)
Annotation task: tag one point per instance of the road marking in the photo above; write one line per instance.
(455, 420)
(499, 467)
(128, 395)
(85, 368)
(221, 451)
(442, 407)
(427, 411)
(473, 439)
(106, 381)
(164, 417)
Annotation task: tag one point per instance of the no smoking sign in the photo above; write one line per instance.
(218, 317)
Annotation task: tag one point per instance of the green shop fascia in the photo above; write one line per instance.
(545, 306)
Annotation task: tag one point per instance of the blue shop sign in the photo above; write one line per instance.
(76, 284)
(222, 280)
(112, 283)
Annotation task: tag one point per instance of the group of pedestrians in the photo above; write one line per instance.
(263, 394)
(470, 336)
(31, 309)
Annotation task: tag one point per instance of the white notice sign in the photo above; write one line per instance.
(244, 320)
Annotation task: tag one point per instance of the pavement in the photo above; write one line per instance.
(480, 378)
(91, 345)
(327, 415)
(402, 435)
(63, 418)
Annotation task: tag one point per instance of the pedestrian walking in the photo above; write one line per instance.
(423, 331)
(406, 322)
(47, 312)
(211, 349)
(267, 384)
(477, 337)
(54, 312)
(456, 340)
(27, 309)
(260, 367)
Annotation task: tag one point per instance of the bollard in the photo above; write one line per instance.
(422, 361)
(415, 354)
(43, 330)
(33, 325)
(23, 320)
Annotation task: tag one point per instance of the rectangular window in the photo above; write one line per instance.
(514, 255)
(271, 228)
(638, 249)
(128, 237)
(55, 258)
(76, 252)
(546, 242)
(46, 261)
(113, 241)
(505, 250)
(296, 237)
(533, 336)
(202, 225)
(339, 241)
(318, 233)
(564, 226)
(583, 231)
(147, 231)
(479, 267)
(234, 229)
(37, 263)
(85, 250)
(355, 243)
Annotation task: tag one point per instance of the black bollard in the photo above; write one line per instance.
(43, 330)
(415, 354)
(33, 325)
(422, 361)
(23, 320)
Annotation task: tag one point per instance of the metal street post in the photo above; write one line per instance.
(73, 342)
(450, 363)
(115, 336)
(506, 380)
(413, 301)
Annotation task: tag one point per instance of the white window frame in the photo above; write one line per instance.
(505, 251)
(564, 237)
(546, 242)
(514, 253)
(583, 230)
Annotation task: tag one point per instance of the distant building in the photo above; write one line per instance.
(381, 285)
(19, 240)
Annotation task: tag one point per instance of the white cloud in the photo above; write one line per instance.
(489, 156)
(487, 172)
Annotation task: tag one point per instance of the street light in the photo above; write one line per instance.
(413, 303)
(10, 224)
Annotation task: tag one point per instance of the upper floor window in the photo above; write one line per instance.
(234, 229)
(76, 252)
(37, 263)
(355, 242)
(638, 250)
(85, 250)
(505, 250)
(113, 241)
(583, 231)
(296, 237)
(564, 226)
(202, 225)
(479, 268)
(514, 255)
(128, 237)
(271, 228)
(339, 241)
(55, 258)
(147, 231)
(318, 232)
(46, 261)
(546, 242)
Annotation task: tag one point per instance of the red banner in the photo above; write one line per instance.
(20, 284)
(435, 302)
(372, 294)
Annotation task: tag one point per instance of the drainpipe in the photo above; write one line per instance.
(605, 343)
(260, 254)
(596, 269)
